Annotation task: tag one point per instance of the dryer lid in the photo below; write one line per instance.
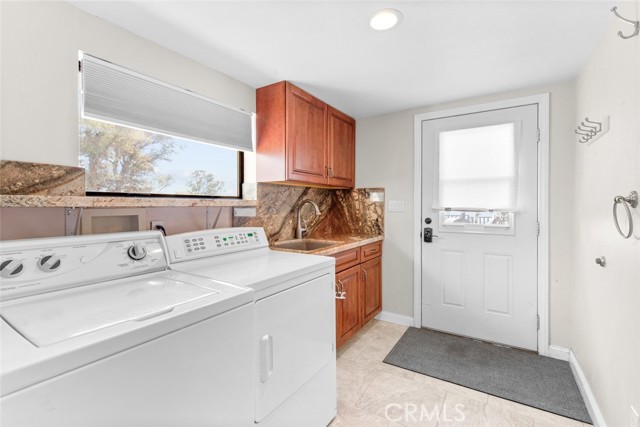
(57, 316)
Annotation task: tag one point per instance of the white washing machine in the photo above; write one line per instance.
(95, 331)
(294, 336)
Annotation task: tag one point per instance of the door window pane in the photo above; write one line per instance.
(477, 169)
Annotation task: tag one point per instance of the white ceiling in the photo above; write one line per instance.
(442, 51)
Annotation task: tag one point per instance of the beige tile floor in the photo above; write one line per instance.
(374, 394)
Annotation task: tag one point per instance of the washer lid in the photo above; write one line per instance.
(57, 316)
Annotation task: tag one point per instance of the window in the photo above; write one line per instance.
(477, 169)
(139, 135)
(124, 160)
(477, 179)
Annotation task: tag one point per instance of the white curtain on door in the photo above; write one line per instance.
(477, 168)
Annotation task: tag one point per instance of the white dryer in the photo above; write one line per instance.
(294, 335)
(95, 331)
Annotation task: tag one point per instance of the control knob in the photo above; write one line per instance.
(11, 268)
(137, 252)
(49, 263)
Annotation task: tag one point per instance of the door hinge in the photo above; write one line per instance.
(537, 228)
(538, 135)
(538, 322)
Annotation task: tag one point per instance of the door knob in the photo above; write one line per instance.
(428, 235)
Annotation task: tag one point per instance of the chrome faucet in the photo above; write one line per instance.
(301, 227)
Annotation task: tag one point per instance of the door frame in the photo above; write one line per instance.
(542, 100)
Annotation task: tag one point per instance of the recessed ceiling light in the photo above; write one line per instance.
(386, 19)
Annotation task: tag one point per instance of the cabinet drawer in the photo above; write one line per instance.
(371, 251)
(347, 259)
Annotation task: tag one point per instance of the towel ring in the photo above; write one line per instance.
(630, 200)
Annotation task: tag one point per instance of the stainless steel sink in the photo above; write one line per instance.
(306, 245)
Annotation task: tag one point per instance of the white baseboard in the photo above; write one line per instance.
(558, 352)
(398, 319)
(585, 390)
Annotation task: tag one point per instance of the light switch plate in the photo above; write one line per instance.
(396, 205)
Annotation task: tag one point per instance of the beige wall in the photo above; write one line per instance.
(384, 158)
(39, 80)
(605, 302)
(31, 223)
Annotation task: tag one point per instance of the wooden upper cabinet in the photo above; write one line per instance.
(306, 134)
(302, 140)
(341, 138)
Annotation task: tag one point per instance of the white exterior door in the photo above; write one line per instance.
(479, 197)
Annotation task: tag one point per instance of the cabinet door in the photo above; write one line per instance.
(371, 288)
(305, 142)
(348, 309)
(341, 139)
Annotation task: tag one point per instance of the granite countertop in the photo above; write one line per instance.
(345, 242)
(45, 201)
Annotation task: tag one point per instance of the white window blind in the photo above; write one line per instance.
(115, 94)
(477, 169)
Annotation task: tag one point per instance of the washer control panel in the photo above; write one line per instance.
(214, 242)
(40, 265)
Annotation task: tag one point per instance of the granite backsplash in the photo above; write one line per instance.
(343, 212)
(27, 178)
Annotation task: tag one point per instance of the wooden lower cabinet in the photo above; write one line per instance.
(371, 285)
(348, 309)
(361, 283)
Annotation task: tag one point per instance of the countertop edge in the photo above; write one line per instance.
(331, 250)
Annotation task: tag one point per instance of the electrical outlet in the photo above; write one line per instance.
(635, 418)
(154, 223)
(376, 196)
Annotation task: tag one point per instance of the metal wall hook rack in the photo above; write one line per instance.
(631, 201)
(590, 130)
(636, 24)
